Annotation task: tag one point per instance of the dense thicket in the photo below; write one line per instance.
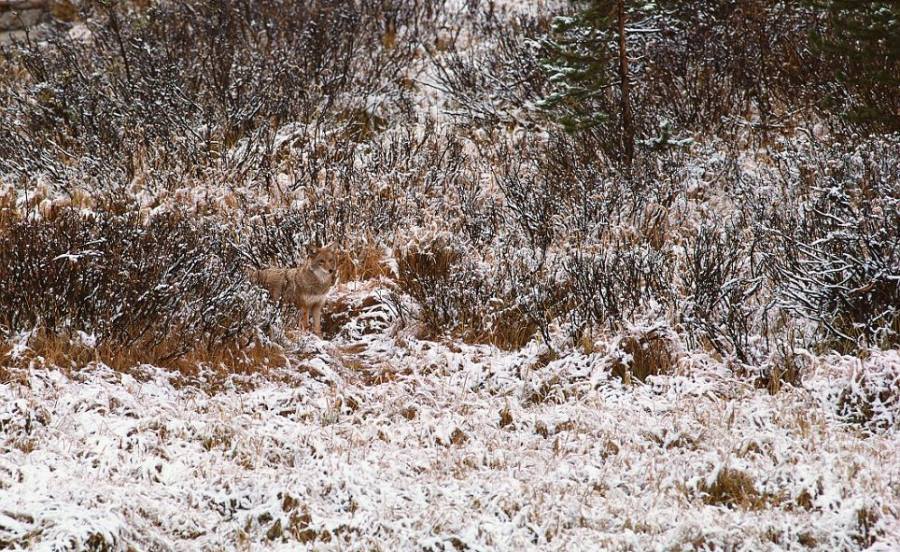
(758, 212)
(164, 287)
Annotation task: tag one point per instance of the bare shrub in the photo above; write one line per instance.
(536, 202)
(184, 88)
(410, 178)
(542, 295)
(459, 297)
(614, 284)
(558, 188)
(495, 82)
(836, 260)
(424, 272)
(280, 239)
(717, 63)
(476, 214)
(564, 189)
(333, 190)
(157, 292)
(722, 280)
(596, 236)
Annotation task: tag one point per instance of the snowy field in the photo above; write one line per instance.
(385, 442)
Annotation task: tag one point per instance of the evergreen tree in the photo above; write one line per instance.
(586, 55)
(862, 39)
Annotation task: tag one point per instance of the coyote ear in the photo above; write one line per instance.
(316, 249)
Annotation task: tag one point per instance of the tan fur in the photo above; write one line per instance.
(304, 287)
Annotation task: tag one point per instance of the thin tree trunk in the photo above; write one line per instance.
(627, 123)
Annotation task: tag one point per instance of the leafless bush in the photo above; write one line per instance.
(459, 297)
(562, 195)
(279, 239)
(360, 197)
(176, 87)
(478, 216)
(562, 189)
(717, 61)
(166, 288)
(722, 280)
(407, 179)
(452, 292)
(495, 82)
(614, 284)
(536, 202)
(836, 260)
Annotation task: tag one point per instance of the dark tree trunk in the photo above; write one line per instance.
(627, 123)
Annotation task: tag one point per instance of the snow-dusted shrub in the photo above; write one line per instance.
(460, 296)
(173, 87)
(721, 281)
(713, 63)
(428, 273)
(537, 202)
(282, 239)
(365, 311)
(837, 258)
(615, 284)
(498, 80)
(564, 189)
(153, 291)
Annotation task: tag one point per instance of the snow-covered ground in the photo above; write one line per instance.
(377, 440)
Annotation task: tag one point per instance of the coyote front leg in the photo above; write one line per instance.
(317, 318)
(304, 319)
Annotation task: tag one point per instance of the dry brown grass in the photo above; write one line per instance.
(64, 10)
(364, 262)
(8, 212)
(435, 259)
(867, 530)
(549, 391)
(652, 354)
(654, 225)
(735, 489)
(50, 350)
(510, 331)
(506, 417)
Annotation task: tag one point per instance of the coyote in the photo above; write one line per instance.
(305, 287)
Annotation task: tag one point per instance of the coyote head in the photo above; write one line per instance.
(324, 260)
